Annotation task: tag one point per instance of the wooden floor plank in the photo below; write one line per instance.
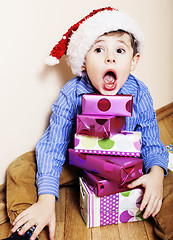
(110, 232)
(132, 231)
(61, 205)
(166, 130)
(164, 112)
(75, 227)
(59, 231)
(60, 214)
(165, 122)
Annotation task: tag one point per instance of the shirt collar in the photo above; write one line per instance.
(129, 86)
(85, 86)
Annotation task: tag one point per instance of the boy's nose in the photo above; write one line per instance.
(110, 59)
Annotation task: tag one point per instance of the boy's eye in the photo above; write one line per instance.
(120, 50)
(98, 50)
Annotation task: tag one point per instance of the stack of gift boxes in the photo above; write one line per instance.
(110, 158)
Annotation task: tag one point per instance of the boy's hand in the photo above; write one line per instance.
(153, 184)
(39, 214)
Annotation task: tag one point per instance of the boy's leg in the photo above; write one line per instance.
(21, 188)
(163, 221)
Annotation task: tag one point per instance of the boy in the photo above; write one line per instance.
(102, 49)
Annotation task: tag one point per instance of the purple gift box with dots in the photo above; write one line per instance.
(96, 104)
(113, 168)
(112, 209)
(126, 143)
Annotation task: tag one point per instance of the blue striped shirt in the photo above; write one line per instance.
(51, 148)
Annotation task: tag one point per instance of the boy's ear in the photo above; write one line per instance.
(135, 61)
(83, 68)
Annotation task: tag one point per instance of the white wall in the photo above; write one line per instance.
(29, 30)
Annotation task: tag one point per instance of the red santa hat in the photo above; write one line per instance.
(76, 42)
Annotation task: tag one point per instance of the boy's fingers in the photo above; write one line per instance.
(150, 207)
(157, 208)
(36, 232)
(145, 201)
(135, 183)
(18, 224)
(19, 217)
(26, 227)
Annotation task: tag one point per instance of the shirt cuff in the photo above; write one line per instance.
(48, 185)
(155, 161)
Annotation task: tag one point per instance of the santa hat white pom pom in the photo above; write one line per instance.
(51, 61)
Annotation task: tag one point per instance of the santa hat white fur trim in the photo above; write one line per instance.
(88, 32)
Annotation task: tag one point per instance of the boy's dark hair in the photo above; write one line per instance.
(134, 43)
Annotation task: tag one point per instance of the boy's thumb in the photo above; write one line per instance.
(134, 184)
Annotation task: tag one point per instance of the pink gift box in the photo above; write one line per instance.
(125, 143)
(118, 169)
(102, 187)
(119, 105)
(100, 125)
(113, 209)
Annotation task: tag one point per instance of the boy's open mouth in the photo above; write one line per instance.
(109, 80)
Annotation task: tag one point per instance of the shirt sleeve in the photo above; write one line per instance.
(153, 151)
(51, 149)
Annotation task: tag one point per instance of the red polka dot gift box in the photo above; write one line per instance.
(96, 104)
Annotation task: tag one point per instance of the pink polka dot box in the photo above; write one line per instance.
(112, 209)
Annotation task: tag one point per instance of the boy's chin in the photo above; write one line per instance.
(108, 92)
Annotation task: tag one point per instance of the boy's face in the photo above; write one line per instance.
(109, 62)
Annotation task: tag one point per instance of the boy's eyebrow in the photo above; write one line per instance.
(97, 41)
(123, 42)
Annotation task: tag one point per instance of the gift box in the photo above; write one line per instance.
(114, 168)
(102, 126)
(121, 144)
(113, 209)
(119, 105)
(102, 187)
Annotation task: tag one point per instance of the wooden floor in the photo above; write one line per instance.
(70, 225)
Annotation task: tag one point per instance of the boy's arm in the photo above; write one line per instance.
(153, 151)
(50, 154)
(154, 154)
(52, 147)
